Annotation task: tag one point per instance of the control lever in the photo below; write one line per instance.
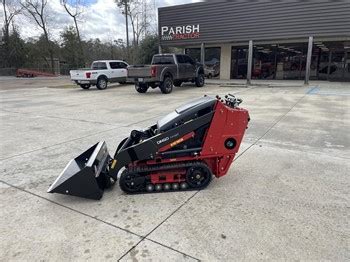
(232, 101)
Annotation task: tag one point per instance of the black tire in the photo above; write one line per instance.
(102, 83)
(141, 88)
(210, 76)
(131, 183)
(167, 85)
(198, 176)
(200, 80)
(85, 86)
(177, 83)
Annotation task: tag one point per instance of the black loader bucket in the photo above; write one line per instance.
(85, 176)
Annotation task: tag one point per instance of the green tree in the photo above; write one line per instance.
(147, 48)
(37, 54)
(10, 9)
(16, 51)
(74, 9)
(12, 50)
(38, 11)
(69, 47)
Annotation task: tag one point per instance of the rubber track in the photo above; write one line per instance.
(153, 168)
(163, 167)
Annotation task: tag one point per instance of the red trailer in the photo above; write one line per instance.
(31, 73)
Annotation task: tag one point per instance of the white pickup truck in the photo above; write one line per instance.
(100, 73)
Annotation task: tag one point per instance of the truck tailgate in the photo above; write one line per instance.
(139, 71)
(78, 74)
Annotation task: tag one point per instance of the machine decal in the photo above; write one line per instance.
(176, 142)
(163, 140)
(176, 135)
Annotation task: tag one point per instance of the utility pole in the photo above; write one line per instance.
(125, 2)
(144, 18)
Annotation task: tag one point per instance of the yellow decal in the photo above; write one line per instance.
(114, 162)
(176, 142)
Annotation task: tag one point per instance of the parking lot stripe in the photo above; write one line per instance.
(317, 91)
(272, 126)
(312, 90)
(162, 222)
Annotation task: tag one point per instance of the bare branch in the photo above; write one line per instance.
(11, 9)
(140, 13)
(74, 10)
(36, 9)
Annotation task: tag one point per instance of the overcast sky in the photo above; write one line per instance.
(102, 19)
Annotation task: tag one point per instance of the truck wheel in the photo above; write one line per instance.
(199, 80)
(177, 83)
(102, 83)
(85, 86)
(141, 88)
(167, 85)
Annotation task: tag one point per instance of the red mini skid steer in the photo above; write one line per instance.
(181, 152)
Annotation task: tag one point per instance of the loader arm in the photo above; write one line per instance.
(148, 148)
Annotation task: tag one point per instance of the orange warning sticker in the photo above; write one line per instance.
(176, 142)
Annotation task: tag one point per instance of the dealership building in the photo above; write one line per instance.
(296, 40)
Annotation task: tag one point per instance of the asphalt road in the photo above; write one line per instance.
(286, 196)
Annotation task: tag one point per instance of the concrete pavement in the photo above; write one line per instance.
(286, 197)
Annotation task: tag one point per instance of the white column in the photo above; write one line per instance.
(308, 61)
(250, 62)
(225, 62)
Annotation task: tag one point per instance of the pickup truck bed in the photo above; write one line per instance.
(165, 71)
(100, 73)
(135, 71)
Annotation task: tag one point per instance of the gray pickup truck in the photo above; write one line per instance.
(166, 71)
